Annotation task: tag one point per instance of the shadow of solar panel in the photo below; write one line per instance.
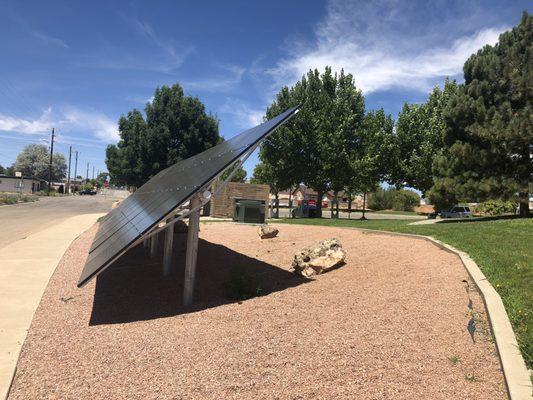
(170, 188)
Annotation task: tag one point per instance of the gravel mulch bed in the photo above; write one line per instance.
(390, 324)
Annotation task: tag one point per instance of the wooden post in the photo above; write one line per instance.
(153, 245)
(192, 251)
(167, 252)
(146, 243)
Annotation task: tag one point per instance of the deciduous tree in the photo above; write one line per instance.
(175, 127)
(34, 160)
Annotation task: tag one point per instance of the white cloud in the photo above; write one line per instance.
(28, 126)
(376, 43)
(99, 124)
(232, 76)
(246, 117)
(50, 40)
(69, 119)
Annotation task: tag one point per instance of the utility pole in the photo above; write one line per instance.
(50, 164)
(76, 167)
(93, 171)
(87, 176)
(69, 159)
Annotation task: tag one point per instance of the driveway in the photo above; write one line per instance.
(21, 220)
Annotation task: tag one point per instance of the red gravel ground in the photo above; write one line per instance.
(390, 324)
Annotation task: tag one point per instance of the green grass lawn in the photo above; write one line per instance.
(503, 249)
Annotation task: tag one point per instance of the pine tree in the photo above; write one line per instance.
(489, 125)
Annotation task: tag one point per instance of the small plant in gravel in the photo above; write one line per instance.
(453, 359)
(241, 285)
(470, 377)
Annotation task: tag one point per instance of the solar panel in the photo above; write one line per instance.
(165, 192)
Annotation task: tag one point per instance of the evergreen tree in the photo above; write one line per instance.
(489, 125)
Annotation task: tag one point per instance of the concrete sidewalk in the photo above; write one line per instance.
(25, 268)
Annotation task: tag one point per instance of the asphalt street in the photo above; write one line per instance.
(17, 221)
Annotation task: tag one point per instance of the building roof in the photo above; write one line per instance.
(21, 177)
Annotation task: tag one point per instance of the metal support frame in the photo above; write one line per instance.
(167, 251)
(192, 251)
(193, 206)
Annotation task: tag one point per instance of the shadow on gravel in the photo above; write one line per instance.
(134, 288)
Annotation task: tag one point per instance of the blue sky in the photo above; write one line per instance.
(77, 66)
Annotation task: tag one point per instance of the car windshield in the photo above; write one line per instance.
(467, 209)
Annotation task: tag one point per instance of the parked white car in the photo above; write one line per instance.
(457, 212)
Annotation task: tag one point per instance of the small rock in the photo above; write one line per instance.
(267, 232)
(316, 260)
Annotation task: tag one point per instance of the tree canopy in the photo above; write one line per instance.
(313, 147)
(420, 138)
(239, 176)
(489, 125)
(175, 127)
(34, 160)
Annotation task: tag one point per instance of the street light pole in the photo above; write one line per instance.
(50, 164)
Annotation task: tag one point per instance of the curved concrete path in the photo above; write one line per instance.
(25, 268)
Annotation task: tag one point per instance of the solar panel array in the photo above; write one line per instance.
(166, 191)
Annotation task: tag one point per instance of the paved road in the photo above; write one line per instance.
(284, 213)
(20, 220)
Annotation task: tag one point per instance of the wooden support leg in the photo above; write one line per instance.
(153, 245)
(146, 243)
(167, 254)
(192, 251)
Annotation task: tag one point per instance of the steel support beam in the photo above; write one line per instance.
(192, 251)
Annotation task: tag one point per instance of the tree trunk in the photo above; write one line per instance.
(290, 202)
(332, 209)
(337, 205)
(350, 206)
(364, 205)
(524, 203)
(277, 205)
(319, 195)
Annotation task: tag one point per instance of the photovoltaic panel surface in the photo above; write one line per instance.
(170, 188)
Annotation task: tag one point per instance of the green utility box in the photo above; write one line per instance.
(250, 211)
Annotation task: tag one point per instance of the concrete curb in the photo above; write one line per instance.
(25, 269)
(514, 368)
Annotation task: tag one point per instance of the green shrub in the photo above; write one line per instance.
(13, 198)
(405, 200)
(87, 186)
(241, 285)
(495, 207)
(393, 199)
(381, 199)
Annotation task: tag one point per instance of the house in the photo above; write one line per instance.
(302, 192)
(22, 184)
